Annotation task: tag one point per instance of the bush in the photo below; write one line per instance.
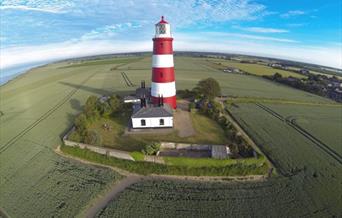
(75, 136)
(90, 108)
(192, 106)
(104, 109)
(115, 103)
(81, 124)
(151, 149)
(92, 137)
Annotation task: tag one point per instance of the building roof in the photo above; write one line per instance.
(142, 92)
(152, 111)
(162, 20)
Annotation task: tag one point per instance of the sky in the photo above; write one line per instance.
(33, 31)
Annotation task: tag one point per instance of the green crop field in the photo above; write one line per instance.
(256, 69)
(296, 153)
(274, 198)
(38, 108)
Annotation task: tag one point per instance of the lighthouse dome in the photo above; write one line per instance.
(163, 29)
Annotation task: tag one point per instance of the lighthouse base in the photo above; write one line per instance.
(169, 100)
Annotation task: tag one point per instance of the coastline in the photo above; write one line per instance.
(17, 72)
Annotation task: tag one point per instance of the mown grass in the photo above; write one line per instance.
(207, 132)
(210, 162)
(137, 156)
(145, 168)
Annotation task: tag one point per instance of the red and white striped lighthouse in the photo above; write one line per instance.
(163, 74)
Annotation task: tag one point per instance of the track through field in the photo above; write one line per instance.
(291, 122)
(44, 116)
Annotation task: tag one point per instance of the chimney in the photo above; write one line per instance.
(141, 102)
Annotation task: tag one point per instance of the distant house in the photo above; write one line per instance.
(149, 116)
(304, 71)
(231, 70)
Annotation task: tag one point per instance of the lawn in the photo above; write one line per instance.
(207, 132)
(210, 162)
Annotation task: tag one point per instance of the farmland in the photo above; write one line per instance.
(256, 69)
(279, 197)
(40, 106)
(293, 152)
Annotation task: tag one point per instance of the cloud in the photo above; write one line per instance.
(25, 8)
(16, 56)
(248, 36)
(51, 6)
(293, 13)
(226, 43)
(261, 29)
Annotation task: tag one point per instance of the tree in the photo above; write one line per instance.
(90, 108)
(92, 137)
(115, 103)
(208, 88)
(104, 108)
(81, 123)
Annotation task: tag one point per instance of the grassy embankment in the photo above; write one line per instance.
(185, 167)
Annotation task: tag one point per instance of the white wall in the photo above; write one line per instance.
(152, 122)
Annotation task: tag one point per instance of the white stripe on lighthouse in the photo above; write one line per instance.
(163, 89)
(162, 60)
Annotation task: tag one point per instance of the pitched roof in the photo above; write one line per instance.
(151, 111)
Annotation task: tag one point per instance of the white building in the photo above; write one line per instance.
(152, 117)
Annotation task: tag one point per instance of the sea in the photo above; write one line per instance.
(9, 74)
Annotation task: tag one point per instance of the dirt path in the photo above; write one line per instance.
(115, 189)
(183, 124)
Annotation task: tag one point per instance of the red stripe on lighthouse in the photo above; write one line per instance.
(163, 75)
(162, 46)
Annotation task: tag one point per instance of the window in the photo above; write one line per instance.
(162, 29)
(143, 122)
(161, 44)
(161, 75)
(161, 122)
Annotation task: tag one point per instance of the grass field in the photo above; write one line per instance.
(256, 69)
(39, 108)
(296, 154)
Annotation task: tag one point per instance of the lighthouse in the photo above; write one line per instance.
(163, 86)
